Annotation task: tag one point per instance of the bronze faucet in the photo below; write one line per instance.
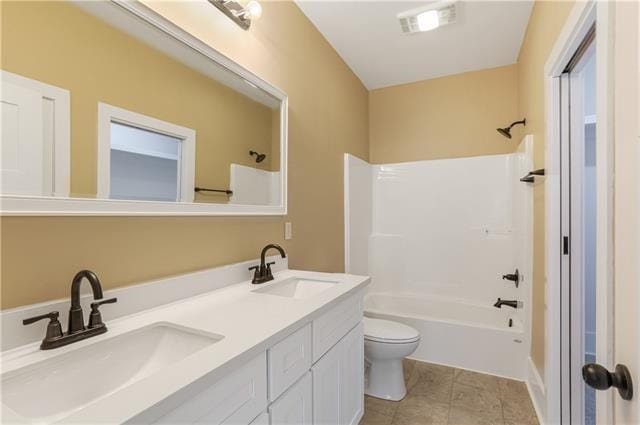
(263, 272)
(77, 330)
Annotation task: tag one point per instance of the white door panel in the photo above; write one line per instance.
(627, 204)
(21, 141)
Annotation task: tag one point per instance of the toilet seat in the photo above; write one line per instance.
(388, 332)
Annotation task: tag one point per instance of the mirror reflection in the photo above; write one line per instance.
(139, 116)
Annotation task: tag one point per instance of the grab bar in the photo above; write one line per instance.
(203, 189)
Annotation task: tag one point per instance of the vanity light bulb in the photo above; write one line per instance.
(253, 10)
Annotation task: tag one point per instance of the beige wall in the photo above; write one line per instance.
(448, 117)
(328, 110)
(121, 71)
(547, 19)
(328, 116)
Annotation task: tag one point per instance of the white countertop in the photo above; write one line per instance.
(250, 323)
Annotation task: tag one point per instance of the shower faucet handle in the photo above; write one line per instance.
(513, 277)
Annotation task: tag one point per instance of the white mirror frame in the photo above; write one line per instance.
(21, 205)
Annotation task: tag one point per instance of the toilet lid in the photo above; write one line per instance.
(387, 331)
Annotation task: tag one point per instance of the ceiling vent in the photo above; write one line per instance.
(428, 18)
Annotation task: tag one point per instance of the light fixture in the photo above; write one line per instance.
(241, 15)
(428, 18)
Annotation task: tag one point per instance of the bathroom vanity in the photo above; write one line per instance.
(286, 352)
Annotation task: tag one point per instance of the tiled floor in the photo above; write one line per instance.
(440, 395)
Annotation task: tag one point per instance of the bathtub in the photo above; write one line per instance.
(456, 333)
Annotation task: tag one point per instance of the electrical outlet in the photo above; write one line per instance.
(287, 231)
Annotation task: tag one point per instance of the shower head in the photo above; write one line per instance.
(259, 156)
(506, 131)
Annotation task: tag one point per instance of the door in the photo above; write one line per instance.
(338, 382)
(609, 396)
(579, 228)
(294, 406)
(21, 141)
(627, 203)
(35, 133)
(352, 377)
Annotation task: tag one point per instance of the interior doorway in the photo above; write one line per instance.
(579, 198)
(607, 31)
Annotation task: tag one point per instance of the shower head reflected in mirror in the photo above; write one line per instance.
(259, 156)
(506, 131)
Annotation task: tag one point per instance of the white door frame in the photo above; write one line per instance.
(581, 19)
(59, 153)
(108, 114)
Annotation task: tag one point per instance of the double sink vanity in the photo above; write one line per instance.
(289, 351)
(204, 347)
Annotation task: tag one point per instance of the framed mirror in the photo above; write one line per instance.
(110, 109)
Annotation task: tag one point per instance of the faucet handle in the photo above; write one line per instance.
(256, 273)
(95, 318)
(269, 273)
(51, 316)
(96, 304)
(54, 329)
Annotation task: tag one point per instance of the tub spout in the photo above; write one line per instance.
(510, 303)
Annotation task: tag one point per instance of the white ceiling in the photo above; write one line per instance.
(367, 35)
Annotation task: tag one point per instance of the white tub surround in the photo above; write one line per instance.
(436, 241)
(248, 332)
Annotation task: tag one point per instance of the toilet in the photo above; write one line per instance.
(386, 343)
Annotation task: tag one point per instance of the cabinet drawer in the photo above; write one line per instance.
(234, 399)
(294, 407)
(329, 328)
(288, 361)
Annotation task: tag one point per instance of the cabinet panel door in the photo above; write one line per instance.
(352, 377)
(326, 388)
(294, 407)
(338, 382)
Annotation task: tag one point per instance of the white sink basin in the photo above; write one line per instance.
(54, 388)
(297, 287)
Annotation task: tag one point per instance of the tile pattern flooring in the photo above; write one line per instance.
(440, 395)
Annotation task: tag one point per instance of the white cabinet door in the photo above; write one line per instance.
(294, 407)
(21, 141)
(326, 388)
(338, 382)
(352, 377)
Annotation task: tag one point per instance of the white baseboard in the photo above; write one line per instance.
(536, 388)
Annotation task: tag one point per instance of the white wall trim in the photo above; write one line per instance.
(347, 213)
(109, 113)
(582, 17)
(535, 386)
(61, 157)
(131, 299)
